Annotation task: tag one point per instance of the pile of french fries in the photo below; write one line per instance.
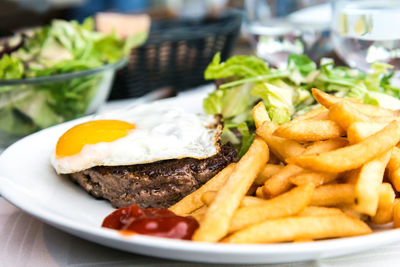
(332, 172)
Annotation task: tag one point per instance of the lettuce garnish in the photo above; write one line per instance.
(286, 93)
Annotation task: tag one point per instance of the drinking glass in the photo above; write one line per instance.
(365, 31)
(279, 28)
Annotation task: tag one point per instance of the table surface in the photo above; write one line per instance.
(25, 240)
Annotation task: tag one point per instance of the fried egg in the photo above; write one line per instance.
(139, 135)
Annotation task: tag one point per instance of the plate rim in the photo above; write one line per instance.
(322, 247)
(318, 247)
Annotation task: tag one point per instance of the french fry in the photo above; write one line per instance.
(333, 195)
(266, 129)
(393, 168)
(316, 178)
(351, 157)
(199, 213)
(330, 185)
(266, 173)
(321, 117)
(283, 205)
(301, 240)
(384, 214)
(251, 201)
(248, 201)
(396, 213)
(328, 101)
(192, 202)
(280, 182)
(351, 177)
(215, 223)
(358, 131)
(349, 210)
(283, 148)
(208, 197)
(260, 114)
(293, 228)
(325, 146)
(369, 180)
(260, 192)
(309, 130)
(345, 114)
(312, 114)
(319, 211)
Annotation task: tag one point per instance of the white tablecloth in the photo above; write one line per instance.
(25, 241)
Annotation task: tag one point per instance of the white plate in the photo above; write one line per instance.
(28, 181)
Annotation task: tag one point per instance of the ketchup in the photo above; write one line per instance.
(155, 222)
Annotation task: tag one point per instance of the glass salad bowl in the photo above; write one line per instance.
(31, 104)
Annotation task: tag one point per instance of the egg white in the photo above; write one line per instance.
(161, 133)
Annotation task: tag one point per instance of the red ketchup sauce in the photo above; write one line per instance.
(155, 222)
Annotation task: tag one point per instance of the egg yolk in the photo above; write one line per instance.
(92, 132)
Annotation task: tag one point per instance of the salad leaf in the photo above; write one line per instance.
(287, 92)
(278, 101)
(66, 46)
(230, 102)
(260, 78)
(247, 138)
(382, 99)
(61, 47)
(11, 68)
(373, 80)
(134, 41)
(301, 63)
(214, 103)
(236, 66)
(228, 136)
(373, 88)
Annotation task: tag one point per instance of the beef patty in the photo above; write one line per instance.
(153, 185)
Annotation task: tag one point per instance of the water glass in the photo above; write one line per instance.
(279, 28)
(365, 31)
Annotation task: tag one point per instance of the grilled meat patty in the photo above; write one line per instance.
(153, 185)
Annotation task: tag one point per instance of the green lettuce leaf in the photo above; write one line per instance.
(247, 138)
(236, 66)
(287, 92)
(64, 46)
(11, 68)
(300, 66)
(371, 91)
(373, 80)
(278, 101)
(229, 102)
(301, 63)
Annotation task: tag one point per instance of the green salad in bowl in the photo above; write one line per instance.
(57, 73)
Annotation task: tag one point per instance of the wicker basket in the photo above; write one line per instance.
(176, 54)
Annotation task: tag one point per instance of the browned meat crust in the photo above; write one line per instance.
(158, 184)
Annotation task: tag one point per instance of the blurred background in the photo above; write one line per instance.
(20, 14)
(271, 29)
(183, 38)
(190, 30)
